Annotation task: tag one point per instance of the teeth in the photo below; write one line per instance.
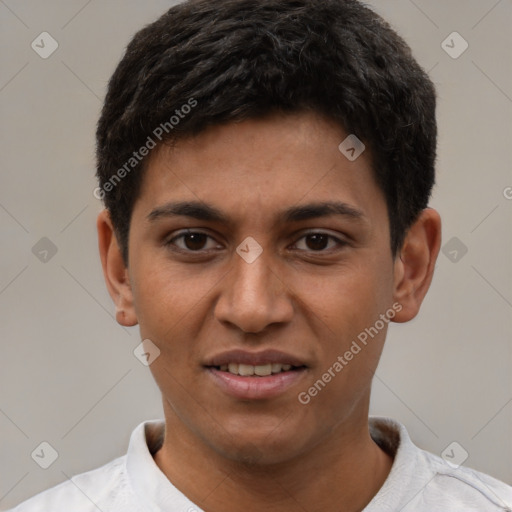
(263, 370)
(248, 370)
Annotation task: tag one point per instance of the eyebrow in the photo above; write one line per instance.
(315, 210)
(202, 211)
(194, 209)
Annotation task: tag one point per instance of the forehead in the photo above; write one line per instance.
(262, 166)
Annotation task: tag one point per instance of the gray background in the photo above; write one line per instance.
(68, 374)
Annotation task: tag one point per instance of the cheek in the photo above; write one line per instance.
(346, 305)
(165, 296)
(345, 300)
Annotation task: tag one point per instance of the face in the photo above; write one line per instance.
(256, 246)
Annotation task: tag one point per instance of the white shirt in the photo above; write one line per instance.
(419, 481)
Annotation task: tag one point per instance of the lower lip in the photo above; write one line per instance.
(256, 388)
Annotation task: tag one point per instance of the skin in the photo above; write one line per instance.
(305, 296)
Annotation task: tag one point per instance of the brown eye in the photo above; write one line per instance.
(195, 241)
(192, 241)
(317, 242)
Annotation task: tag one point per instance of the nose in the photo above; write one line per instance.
(253, 296)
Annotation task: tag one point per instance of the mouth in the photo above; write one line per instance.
(255, 376)
(260, 370)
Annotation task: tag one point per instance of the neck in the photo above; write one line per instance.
(343, 472)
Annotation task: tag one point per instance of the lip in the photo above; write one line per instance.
(255, 388)
(254, 358)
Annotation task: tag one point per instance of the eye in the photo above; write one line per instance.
(318, 242)
(193, 241)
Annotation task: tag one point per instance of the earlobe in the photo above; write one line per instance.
(115, 271)
(414, 265)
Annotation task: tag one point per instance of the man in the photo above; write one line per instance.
(266, 169)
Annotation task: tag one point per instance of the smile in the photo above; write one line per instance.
(246, 375)
(261, 370)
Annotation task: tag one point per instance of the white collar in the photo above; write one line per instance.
(154, 490)
(157, 493)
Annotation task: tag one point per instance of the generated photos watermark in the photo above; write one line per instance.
(158, 135)
(355, 348)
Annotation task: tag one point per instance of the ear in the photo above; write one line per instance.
(414, 265)
(115, 271)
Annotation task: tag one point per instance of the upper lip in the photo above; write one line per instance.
(253, 358)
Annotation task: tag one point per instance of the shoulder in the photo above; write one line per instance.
(86, 492)
(464, 489)
(421, 481)
(109, 487)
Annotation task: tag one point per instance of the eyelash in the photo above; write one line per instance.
(171, 242)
